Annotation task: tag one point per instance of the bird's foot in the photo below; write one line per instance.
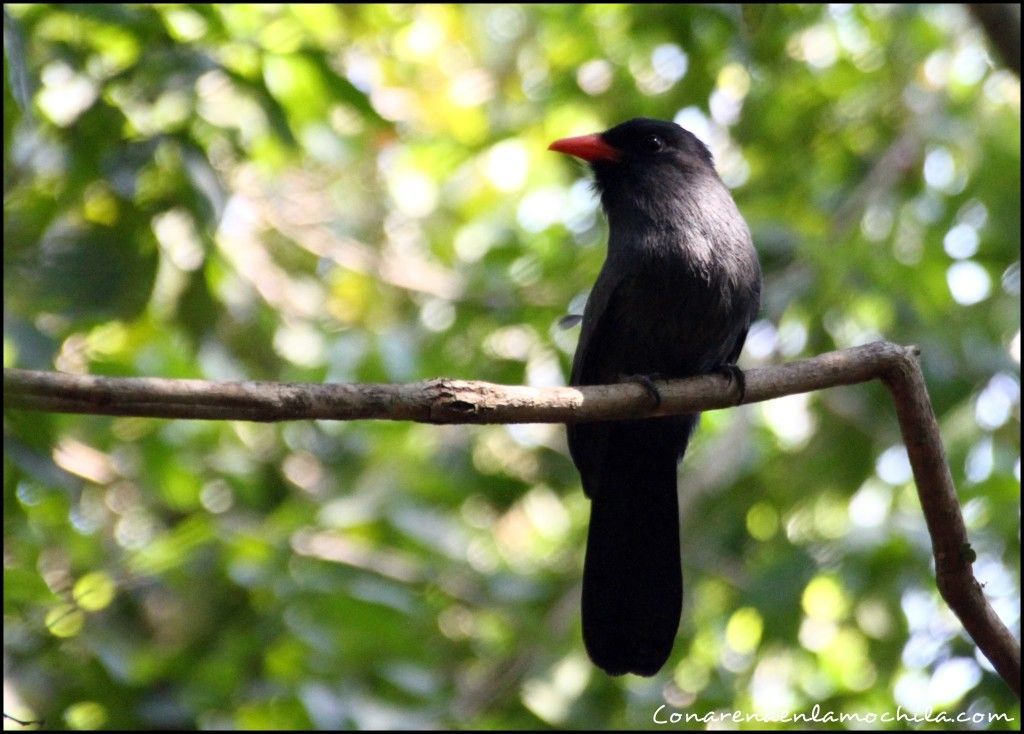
(647, 382)
(734, 374)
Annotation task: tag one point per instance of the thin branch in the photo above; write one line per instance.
(953, 553)
(459, 401)
(433, 401)
(21, 722)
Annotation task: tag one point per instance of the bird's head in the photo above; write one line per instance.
(641, 159)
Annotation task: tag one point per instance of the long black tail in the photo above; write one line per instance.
(632, 577)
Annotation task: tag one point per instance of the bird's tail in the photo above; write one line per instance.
(632, 577)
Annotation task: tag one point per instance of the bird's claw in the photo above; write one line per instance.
(647, 382)
(734, 374)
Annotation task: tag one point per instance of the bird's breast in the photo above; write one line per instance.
(673, 319)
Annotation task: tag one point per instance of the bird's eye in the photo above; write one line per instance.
(653, 144)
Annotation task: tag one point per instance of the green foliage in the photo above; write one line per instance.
(363, 193)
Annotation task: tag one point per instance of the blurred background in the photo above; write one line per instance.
(363, 194)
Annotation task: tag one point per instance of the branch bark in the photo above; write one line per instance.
(460, 401)
(433, 401)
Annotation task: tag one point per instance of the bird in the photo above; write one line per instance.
(675, 297)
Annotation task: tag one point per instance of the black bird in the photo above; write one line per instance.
(676, 295)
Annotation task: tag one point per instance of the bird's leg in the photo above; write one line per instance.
(647, 382)
(734, 374)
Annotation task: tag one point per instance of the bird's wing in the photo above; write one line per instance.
(595, 317)
(741, 338)
(588, 442)
(738, 348)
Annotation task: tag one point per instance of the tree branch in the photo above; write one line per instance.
(459, 401)
(433, 401)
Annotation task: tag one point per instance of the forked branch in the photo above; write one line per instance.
(459, 401)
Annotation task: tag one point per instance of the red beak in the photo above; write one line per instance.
(588, 147)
